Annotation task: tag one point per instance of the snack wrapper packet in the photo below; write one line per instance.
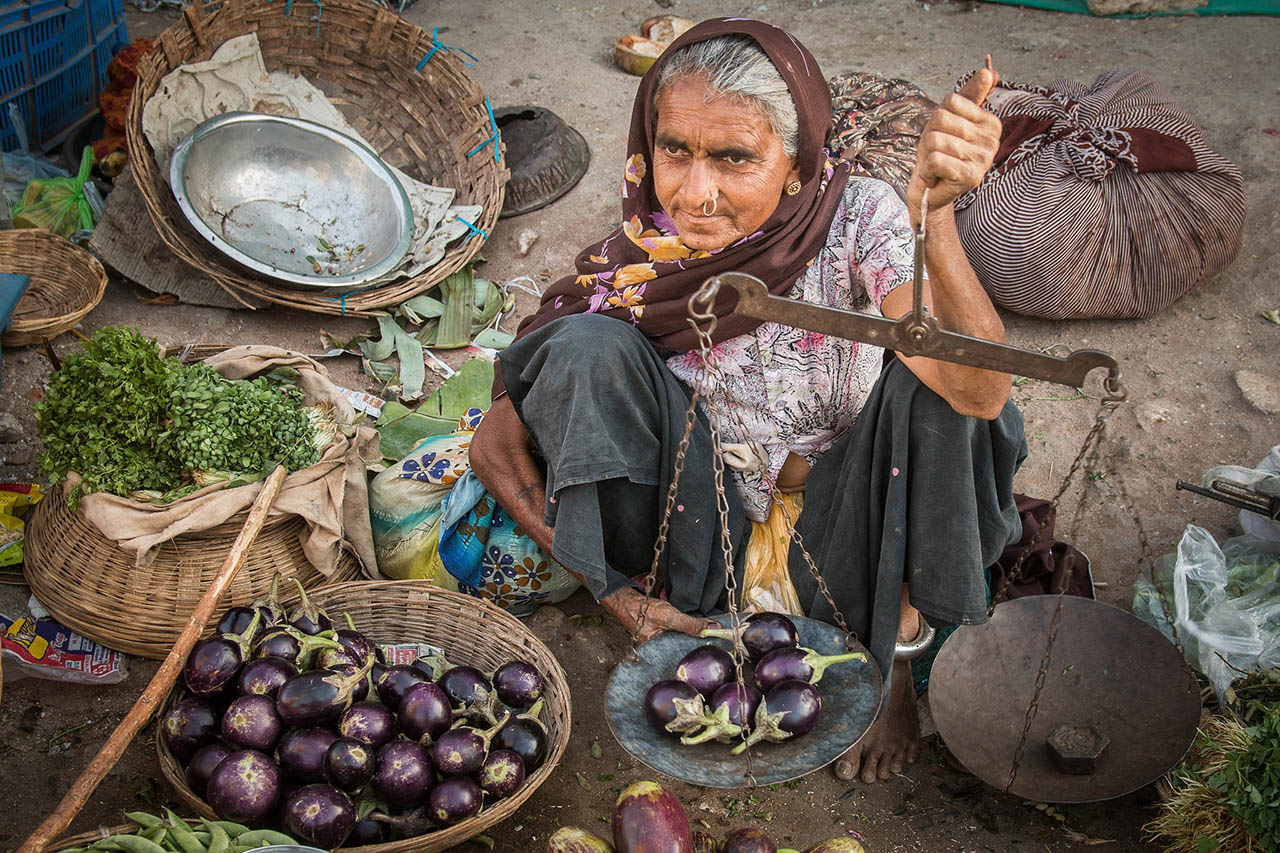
(15, 499)
(40, 647)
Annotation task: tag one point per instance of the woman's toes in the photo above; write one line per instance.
(869, 767)
(846, 768)
(899, 762)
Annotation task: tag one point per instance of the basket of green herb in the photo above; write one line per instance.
(158, 463)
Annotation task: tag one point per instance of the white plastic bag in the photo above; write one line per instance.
(1225, 602)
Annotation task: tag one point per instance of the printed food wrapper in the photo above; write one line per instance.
(404, 653)
(15, 499)
(44, 649)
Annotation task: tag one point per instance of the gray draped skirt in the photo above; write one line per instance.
(912, 493)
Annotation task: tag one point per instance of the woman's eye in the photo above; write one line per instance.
(736, 161)
(671, 152)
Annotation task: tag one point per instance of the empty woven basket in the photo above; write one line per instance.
(66, 283)
(365, 58)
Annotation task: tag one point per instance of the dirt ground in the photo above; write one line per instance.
(1185, 412)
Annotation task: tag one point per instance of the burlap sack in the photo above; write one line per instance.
(332, 495)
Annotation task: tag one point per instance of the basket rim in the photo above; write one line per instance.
(89, 280)
(197, 34)
(442, 839)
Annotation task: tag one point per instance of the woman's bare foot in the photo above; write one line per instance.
(893, 741)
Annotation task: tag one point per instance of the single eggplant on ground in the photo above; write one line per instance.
(301, 753)
(502, 773)
(705, 842)
(317, 697)
(649, 819)
(761, 633)
(214, 663)
(395, 681)
(748, 840)
(460, 684)
(320, 815)
(659, 702)
(526, 736)
(404, 774)
(518, 683)
(306, 617)
(570, 839)
(462, 751)
(424, 712)
(796, 663)
(264, 676)
(454, 800)
(244, 787)
(251, 722)
(733, 707)
(203, 763)
(369, 722)
(188, 725)
(348, 764)
(706, 668)
(790, 709)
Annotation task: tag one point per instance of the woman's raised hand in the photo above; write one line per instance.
(625, 605)
(957, 146)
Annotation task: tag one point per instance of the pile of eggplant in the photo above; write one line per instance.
(649, 819)
(289, 722)
(776, 701)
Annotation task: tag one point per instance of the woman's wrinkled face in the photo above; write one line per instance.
(715, 147)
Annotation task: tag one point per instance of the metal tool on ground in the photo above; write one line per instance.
(1236, 495)
(152, 697)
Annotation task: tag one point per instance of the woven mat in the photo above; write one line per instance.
(127, 242)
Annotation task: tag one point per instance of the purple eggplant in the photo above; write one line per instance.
(659, 704)
(518, 683)
(189, 725)
(570, 839)
(526, 736)
(356, 644)
(424, 712)
(306, 617)
(706, 668)
(733, 707)
(432, 666)
(408, 824)
(320, 815)
(790, 709)
(649, 819)
(748, 840)
(268, 607)
(202, 764)
(251, 722)
(761, 633)
(244, 787)
(796, 663)
(484, 709)
(369, 830)
(454, 800)
(395, 682)
(301, 753)
(214, 663)
(404, 774)
(359, 690)
(502, 773)
(318, 697)
(461, 752)
(460, 684)
(334, 658)
(705, 842)
(234, 621)
(285, 641)
(368, 722)
(349, 764)
(264, 676)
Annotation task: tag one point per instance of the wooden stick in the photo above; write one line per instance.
(162, 682)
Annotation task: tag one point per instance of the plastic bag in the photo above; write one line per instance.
(15, 499)
(1224, 600)
(37, 646)
(21, 167)
(61, 205)
(1264, 479)
(766, 580)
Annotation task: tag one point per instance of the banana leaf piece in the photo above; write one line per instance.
(493, 339)
(401, 430)
(469, 388)
(458, 291)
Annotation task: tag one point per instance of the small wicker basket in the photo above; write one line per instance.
(365, 58)
(66, 283)
(470, 631)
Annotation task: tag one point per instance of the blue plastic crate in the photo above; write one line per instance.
(53, 63)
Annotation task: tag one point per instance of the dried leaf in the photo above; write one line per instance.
(582, 781)
(1081, 838)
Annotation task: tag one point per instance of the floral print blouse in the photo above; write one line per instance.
(797, 390)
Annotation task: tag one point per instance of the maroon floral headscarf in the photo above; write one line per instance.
(644, 274)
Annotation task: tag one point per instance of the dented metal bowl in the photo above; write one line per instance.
(293, 200)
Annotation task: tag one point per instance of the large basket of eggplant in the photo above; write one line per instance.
(390, 716)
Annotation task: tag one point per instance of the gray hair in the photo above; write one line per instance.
(735, 66)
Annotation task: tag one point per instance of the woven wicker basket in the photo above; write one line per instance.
(91, 585)
(66, 283)
(84, 839)
(364, 57)
(471, 631)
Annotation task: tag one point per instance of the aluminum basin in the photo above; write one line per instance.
(292, 200)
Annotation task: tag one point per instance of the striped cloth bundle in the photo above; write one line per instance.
(1104, 201)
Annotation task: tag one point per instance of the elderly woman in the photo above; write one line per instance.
(906, 470)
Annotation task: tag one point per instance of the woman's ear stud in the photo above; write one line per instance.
(793, 188)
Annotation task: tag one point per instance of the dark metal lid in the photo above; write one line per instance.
(546, 157)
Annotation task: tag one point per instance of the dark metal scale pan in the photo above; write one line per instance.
(850, 697)
(1109, 672)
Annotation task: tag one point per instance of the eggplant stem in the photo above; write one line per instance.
(714, 732)
(721, 633)
(819, 663)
